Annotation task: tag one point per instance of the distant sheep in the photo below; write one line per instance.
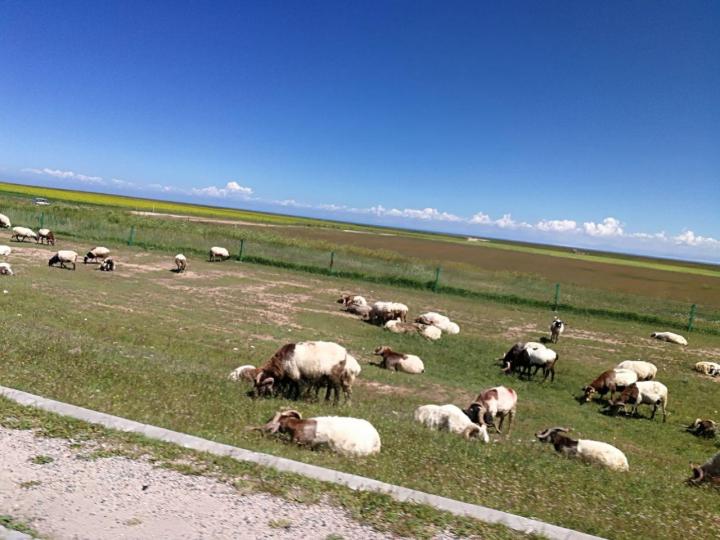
(500, 402)
(352, 300)
(440, 321)
(63, 257)
(382, 312)
(593, 452)
(180, 262)
(450, 418)
(347, 436)
(46, 236)
(708, 368)
(523, 357)
(5, 222)
(703, 428)
(429, 332)
(5, 251)
(394, 361)
(20, 234)
(98, 253)
(557, 327)
(108, 265)
(645, 371)
(669, 337)
(644, 393)
(708, 472)
(244, 373)
(218, 254)
(6, 269)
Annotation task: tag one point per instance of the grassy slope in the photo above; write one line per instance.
(156, 347)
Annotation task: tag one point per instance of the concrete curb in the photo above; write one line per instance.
(355, 482)
(9, 534)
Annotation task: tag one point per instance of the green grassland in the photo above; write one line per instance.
(154, 346)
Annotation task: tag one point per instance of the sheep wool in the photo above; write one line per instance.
(601, 453)
(347, 436)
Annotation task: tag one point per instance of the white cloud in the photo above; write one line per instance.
(689, 238)
(425, 214)
(67, 175)
(231, 189)
(481, 219)
(556, 225)
(121, 183)
(609, 227)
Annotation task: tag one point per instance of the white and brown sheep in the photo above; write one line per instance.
(523, 357)
(108, 265)
(45, 236)
(395, 361)
(557, 327)
(396, 326)
(450, 418)
(707, 472)
(244, 373)
(20, 234)
(218, 254)
(612, 380)
(645, 371)
(98, 253)
(440, 321)
(6, 269)
(708, 368)
(498, 402)
(180, 262)
(670, 337)
(593, 452)
(703, 428)
(643, 393)
(382, 312)
(64, 257)
(348, 300)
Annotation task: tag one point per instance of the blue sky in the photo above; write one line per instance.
(577, 123)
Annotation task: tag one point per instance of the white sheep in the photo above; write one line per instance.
(218, 254)
(645, 371)
(644, 393)
(394, 361)
(594, 452)
(64, 256)
(353, 437)
(450, 418)
(670, 337)
(46, 236)
(500, 402)
(382, 312)
(557, 327)
(708, 368)
(5, 251)
(5, 222)
(180, 262)
(396, 326)
(20, 234)
(243, 373)
(96, 253)
(441, 321)
(6, 269)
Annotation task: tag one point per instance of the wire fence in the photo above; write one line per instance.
(274, 248)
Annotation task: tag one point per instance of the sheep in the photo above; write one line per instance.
(180, 263)
(6, 269)
(643, 393)
(441, 321)
(522, 357)
(450, 418)
(382, 312)
(703, 428)
(308, 362)
(20, 234)
(432, 333)
(5, 222)
(593, 452)
(669, 337)
(95, 254)
(64, 256)
(499, 401)
(611, 381)
(708, 368)
(352, 300)
(46, 236)
(645, 371)
(363, 311)
(708, 472)
(243, 373)
(108, 265)
(347, 436)
(5, 251)
(394, 361)
(557, 327)
(218, 254)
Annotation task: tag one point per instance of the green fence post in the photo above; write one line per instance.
(332, 260)
(42, 220)
(557, 296)
(437, 279)
(691, 319)
(131, 237)
(242, 246)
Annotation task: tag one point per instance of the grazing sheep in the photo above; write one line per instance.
(218, 254)
(645, 371)
(557, 327)
(5, 251)
(441, 321)
(522, 357)
(382, 312)
(450, 418)
(180, 262)
(108, 265)
(708, 472)
(394, 361)
(643, 393)
(352, 437)
(500, 402)
(612, 380)
(703, 428)
(20, 234)
(669, 337)
(96, 253)
(6, 269)
(5, 222)
(64, 256)
(46, 236)
(708, 368)
(244, 373)
(594, 452)
(348, 300)
(432, 333)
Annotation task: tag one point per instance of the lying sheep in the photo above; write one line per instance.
(645, 371)
(218, 254)
(382, 312)
(244, 373)
(20, 234)
(594, 452)
(64, 257)
(5, 222)
(352, 300)
(432, 333)
(180, 262)
(6, 269)
(669, 337)
(703, 428)
(612, 380)
(96, 254)
(46, 236)
(499, 402)
(643, 393)
(352, 437)
(5, 251)
(108, 265)
(557, 327)
(394, 361)
(708, 368)
(450, 418)
(708, 472)
(440, 321)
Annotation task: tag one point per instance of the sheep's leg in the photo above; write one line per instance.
(652, 415)
(511, 416)
(664, 410)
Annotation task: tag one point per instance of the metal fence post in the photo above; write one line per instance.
(691, 319)
(557, 296)
(332, 260)
(42, 220)
(131, 237)
(242, 246)
(437, 279)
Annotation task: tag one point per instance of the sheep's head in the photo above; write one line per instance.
(277, 422)
(550, 434)
(588, 392)
(697, 477)
(263, 384)
(53, 260)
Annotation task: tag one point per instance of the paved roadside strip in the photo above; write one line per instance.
(352, 481)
